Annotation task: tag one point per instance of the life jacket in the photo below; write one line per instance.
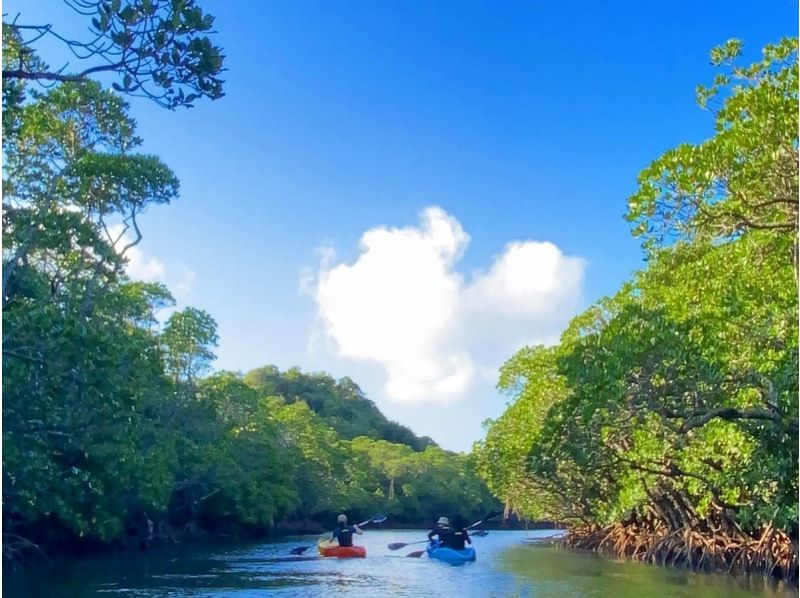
(445, 535)
(457, 540)
(344, 534)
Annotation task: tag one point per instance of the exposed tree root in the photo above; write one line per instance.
(18, 549)
(770, 552)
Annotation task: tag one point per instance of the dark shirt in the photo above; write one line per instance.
(458, 540)
(438, 532)
(450, 538)
(344, 534)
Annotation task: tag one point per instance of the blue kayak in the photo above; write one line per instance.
(448, 555)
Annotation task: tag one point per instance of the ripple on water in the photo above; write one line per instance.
(506, 566)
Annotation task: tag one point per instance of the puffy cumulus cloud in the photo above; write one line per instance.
(398, 305)
(526, 297)
(403, 305)
(142, 267)
(529, 278)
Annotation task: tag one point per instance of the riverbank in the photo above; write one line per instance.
(771, 554)
(42, 543)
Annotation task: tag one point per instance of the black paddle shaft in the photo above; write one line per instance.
(399, 545)
(491, 515)
(374, 519)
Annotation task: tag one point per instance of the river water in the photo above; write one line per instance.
(507, 565)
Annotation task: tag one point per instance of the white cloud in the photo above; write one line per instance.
(142, 267)
(177, 277)
(402, 305)
(530, 278)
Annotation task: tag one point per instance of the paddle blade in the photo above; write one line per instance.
(299, 549)
(397, 545)
(416, 554)
(375, 519)
(480, 533)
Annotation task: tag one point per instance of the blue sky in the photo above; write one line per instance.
(521, 122)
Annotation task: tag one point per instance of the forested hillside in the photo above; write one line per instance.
(114, 432)
(340, 403)
(664, 425)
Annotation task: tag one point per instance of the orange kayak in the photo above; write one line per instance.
(329, 548)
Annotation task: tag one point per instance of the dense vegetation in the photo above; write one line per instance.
(113, 429)
(340, 403)
(665, 420)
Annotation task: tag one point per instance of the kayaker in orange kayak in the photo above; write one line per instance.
(343, 532)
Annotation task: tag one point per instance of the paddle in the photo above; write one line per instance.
(399, 545)
(373, 519)
(480, 533)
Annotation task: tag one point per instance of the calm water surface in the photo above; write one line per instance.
(506, 566)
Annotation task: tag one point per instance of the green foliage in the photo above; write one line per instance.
(414, 487)
(502, 455)
(744, 178)
(81, 365)
(188, 338)
(75, 393)
(678, 397)
(262, 461)
(230, 465)
(159, 49)
(340, 403)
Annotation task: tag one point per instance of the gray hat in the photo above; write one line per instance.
(443, 521)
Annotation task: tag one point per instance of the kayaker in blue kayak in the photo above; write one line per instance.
(454, 538)
(440, 530)
(343, 532)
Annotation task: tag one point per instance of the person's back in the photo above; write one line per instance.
(456, 539)
(343, 532)
(344, 535)
(445, 536)
(442, 532)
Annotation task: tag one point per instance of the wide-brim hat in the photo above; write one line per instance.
(443, 521)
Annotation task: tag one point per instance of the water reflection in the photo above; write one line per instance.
(506, 566)
(545, 571)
